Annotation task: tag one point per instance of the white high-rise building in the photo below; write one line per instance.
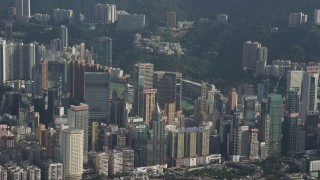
(130, 22)
(64, 37)
(72, 153)
(309, 94)
(294, 80)
(297, 18)
(78, 117)
(105, 13)
(316, 16)
(23, 8)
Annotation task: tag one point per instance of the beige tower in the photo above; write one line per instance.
(232, 101)
(149, 104)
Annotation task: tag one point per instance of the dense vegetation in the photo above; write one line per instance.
(214, 51)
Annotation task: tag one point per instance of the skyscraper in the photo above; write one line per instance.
(43, 71)
(171, 19)
(104, 51)
(64, 37)
(149, 103)
(232, 101)
(76, 81)
(169, 87)
(143, 79)
(140, 145)
(72, 153)
(97, 95)
(275, 113)
(78, 117)
(309, 94)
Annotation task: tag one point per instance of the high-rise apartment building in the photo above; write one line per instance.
(175, 145)
(316, 16)
(130, 22)
(275, 113)
(72, 153)
(64, 37)
(253, 52)
(309, 94)
(78, 117)
(104, 51)
(97, 95)
(143, 79)
(51, 170)
(254, 144)
(171, 19)
(23, 8)
(105, 13)
(169, 88)
(297, 18)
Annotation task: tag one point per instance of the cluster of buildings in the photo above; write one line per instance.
(154, 44)
(300, 18)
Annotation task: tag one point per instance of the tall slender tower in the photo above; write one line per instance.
(23, 8)
(275, 113)
(64, 37)
(89, 5)
(104, 51)
(143, 79)
(309, 94)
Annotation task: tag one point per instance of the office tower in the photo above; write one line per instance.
(294, 80)
(130, 22)
(171, 19)
(232, 101)
(4, 61)
(9, 31)
(243, 142)
(117, 113)
(76, 81)
(58, 70)
(23, 8)
(76, 12)
(158, 137)
(78, 117)
(51, 170)
(143, 79)
(64, 37)
(169, 88)
(149, 103)
(309, 94)
(312, 131)
(250, 108)
(89, 5)
(207, 98)
(275, 113)
(104, 51)
(43, 71)
(254, 144)
(251, 53)
(297, 18)
(234, 134)
(140, 144)
(316, 16)
(72, 153)
(97, 95)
